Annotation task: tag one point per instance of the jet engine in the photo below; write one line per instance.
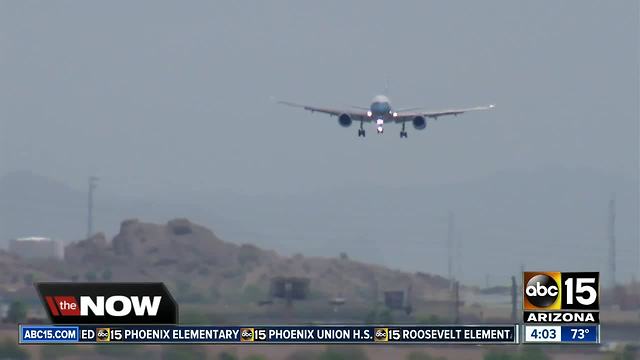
(344, 120)
(419, 122)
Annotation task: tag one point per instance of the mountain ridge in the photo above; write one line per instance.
(397, 226)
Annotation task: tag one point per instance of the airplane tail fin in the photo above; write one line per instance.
(386, 87)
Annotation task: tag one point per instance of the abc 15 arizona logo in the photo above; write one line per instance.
(561, 296)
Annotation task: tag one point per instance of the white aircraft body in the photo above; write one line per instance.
(381, 112)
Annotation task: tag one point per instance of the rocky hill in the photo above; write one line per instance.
(199, 267)
(401, 227)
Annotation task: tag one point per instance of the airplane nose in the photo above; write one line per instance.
(380, 107)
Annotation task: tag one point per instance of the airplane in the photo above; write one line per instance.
(380, 111)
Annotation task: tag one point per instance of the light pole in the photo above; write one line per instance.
(92, 186)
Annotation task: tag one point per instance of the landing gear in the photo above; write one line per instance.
(361, 130)
(379, 124)
(403, 134)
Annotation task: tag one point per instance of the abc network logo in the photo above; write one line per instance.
(381, 334)
(246, 334)
(561, 291)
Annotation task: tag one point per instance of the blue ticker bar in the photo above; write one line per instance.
(279, 334)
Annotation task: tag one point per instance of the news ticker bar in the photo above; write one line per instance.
(152, 334)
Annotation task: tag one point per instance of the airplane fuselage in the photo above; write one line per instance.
(380, 107)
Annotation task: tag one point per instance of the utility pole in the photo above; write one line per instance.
(514, 299)
(611, 230)
(457, 260)
(456, 300)
(450, 249)
(92, 186)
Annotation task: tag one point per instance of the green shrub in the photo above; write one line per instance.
(255, 357)
(17, 312)
(227, 356)
(343, 353)
(303, 355)
(253, 293)
(532, 353)
(107, 275)
(90, 276)
(9, 349)
(628, 352)
(57, 351)
(379, 316)
(29, 279)
(197, 317)
(371, 316)
(176, 352)
(385, 317)
(423, 356)
(527, 353)
(499, 355)
(431, 319)
(119, 350)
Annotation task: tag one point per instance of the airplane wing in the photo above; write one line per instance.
(409, 115)
(357, 115)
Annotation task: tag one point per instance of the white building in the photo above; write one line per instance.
(36, 247)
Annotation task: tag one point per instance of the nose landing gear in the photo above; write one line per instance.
(379, 127)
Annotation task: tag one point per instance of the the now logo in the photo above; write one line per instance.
(108, 303)
(117, 305)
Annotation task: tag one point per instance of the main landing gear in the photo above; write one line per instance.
(403, 134)
(361, 130)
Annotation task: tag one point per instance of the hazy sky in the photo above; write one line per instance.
(173, 100)
(158, 96)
